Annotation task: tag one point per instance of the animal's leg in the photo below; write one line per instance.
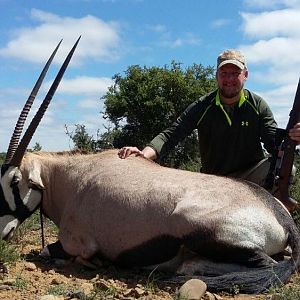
(258, 258)
(92, 263)
(55, 250)
(172, 265)
(249, 256)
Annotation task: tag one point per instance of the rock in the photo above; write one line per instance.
(50, 297)
(209, 296)
(56, 281)
(102, 285)
(128, 292)
(51, 272)
(9, 281)
(5, 287)
(87, 288)
(29, 266)
(193, 289)
(139, 291)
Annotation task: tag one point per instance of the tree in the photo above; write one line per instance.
(147, 100)
(2, 157)
(35, 148)
(81, 139)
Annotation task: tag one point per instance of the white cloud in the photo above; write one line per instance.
(280, 52)
(158, 28)
(90, 103)
(219, 23)
(188, 39)
(272, 3)
(273, 55)
(276, 23)
(100, 40)
(85, 85)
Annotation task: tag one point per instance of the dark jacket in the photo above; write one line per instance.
(229, 137)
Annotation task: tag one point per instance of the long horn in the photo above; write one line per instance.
(19, 153)
(14, 141)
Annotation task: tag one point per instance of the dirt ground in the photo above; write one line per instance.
(33, 277)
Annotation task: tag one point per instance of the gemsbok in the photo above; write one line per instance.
(134, 212)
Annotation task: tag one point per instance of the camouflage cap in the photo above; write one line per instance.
(232, 56)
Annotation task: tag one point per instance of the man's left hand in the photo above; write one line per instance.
(294, 133)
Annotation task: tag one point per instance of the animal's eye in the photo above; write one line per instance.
(15, 181)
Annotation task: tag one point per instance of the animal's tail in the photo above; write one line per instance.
(256, 280)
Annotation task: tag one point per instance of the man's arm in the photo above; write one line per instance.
(170, 137)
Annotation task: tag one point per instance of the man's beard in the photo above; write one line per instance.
(230, 93)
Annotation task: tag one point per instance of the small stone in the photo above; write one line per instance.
(56, 281)
(139, 291)
(29, 266)
(9, 281)
(5, 287)
(209, 296)
(193, 289)
(87, 288)
(102, 285)
(49, 297)
(128, 292)
(51, 272)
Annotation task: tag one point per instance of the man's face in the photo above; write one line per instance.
(231, 80)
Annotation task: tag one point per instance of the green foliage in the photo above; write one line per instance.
(8, 253)
(21, 283)
(37, 147)
(81, 139)
(2, 158)
(147, 100)
(288, 292)
(295, 188)
(58, 290)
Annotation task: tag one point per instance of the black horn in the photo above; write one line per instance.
(14, 141)
(20, 151)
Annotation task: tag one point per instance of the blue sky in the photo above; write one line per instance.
(120, 33)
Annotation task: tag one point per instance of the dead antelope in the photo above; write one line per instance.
(134, 212)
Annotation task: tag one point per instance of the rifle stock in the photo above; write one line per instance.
(287, 153)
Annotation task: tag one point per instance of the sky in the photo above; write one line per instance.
(116, 34)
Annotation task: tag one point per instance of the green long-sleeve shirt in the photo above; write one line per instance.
(229, 137)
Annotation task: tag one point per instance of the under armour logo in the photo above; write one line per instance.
(245, 123)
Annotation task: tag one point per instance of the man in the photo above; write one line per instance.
(232, 124)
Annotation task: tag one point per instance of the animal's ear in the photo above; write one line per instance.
(34, 177)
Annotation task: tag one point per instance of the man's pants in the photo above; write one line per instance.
(258, 174)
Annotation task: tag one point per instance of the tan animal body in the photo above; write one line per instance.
(134, 212)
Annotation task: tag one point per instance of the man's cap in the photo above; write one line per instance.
(232, 56)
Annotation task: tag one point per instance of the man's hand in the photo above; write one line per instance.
(127, 151)
(147, 152)
(294, 133)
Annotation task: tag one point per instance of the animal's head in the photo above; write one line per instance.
(20, 184)
(20, 196)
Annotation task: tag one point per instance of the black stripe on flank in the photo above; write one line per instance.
(155, 251)
(205, 244)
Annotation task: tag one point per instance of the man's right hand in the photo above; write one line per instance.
(127, 151)
(147, 152)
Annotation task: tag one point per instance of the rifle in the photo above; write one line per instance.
(285, 156)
